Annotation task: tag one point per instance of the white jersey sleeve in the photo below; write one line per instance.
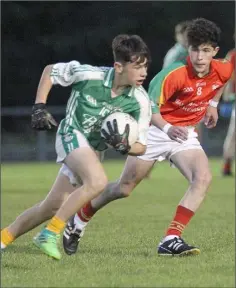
(66, 74)
(145, 115)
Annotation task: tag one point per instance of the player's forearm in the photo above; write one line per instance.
(137, 149)
(45, 85)
(218, 94)
(158, 121)
(227, 94)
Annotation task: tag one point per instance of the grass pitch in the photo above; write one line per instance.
(119, 246)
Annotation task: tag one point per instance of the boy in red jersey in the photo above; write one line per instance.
(185, 95)
(229, 143)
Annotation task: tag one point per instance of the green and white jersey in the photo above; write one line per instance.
(91, 102)
(176, 54)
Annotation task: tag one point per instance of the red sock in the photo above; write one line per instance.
(181, 219)
(86, 212)
(227, 165)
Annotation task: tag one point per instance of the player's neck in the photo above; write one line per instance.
(118, 86)
(202, 74)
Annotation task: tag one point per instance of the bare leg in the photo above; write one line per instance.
(229, 147)
(134, 171)
(44, 210)
(93, 178)
(193, 164)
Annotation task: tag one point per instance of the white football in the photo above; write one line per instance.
(123, 119)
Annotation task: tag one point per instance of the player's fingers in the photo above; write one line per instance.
(206, 119)
(105, 134)
(115, 126)
(127, 129)
(183, 135)
(41, 124)
(176, 138)
(48, 126)
(110, 128)
(53, 121)
(179, 140)
(211, 124)
(183, 131)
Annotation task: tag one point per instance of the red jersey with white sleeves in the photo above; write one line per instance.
(181, 96)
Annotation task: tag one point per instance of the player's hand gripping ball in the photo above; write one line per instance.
(120, 131)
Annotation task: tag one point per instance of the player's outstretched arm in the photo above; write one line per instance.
(45, 85)
(137, 149)
(41, 119)
(211, 116)
(176, 133)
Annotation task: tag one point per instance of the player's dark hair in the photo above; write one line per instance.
(130, 48)
(202, 31)
(182, 26)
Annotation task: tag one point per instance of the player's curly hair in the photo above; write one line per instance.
(130, 48)
(202, 31)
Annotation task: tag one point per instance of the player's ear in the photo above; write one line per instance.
(216, 50)
(118, 67)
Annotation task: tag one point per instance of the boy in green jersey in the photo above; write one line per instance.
(96, 93)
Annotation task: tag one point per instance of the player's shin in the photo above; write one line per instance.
(83, 216)
(25, 222)
(75, 202)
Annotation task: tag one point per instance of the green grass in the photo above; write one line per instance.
(119, 246)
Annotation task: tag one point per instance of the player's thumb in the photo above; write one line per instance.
(207, 119)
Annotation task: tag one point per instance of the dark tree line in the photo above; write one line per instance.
(35, 34)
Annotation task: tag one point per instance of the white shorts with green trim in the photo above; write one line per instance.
(161, 147)
(69, 142)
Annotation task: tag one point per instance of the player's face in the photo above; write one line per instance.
(201, 57)
(133, 73)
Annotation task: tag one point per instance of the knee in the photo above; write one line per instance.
(203, 179)
(126, 188)
(97, 185)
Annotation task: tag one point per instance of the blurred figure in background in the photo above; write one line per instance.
(229, 143)
(179, 51)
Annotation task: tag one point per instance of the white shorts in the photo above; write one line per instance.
(69, 142)
(161, 147)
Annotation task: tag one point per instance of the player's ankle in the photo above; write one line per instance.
(6, 238)
(170, 237)
(84, 215)
(80, 223)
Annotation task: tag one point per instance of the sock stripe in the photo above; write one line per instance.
(182, 216)
(84, 216)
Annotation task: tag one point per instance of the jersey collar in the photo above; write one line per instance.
(108, 79)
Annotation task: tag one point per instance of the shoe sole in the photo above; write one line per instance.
(44, 251)
(191, 252)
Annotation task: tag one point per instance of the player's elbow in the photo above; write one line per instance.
(143, 149)
(48, 69)
(137, 149)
